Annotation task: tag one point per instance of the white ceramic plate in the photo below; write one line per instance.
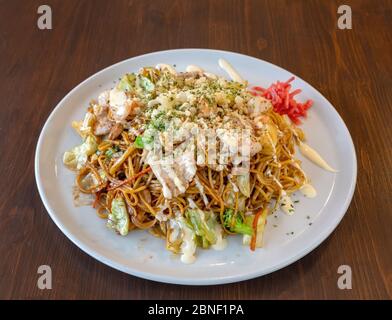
(287, 238)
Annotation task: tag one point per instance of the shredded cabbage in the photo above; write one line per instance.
(118, 219)
(85, 128)
(127, 82)
(77, 157)
(203, 223)
(198, 228)
(243, 183)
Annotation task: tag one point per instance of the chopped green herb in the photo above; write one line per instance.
(109, 153)
(158, 124)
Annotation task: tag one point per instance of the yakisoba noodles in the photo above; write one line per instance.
(190, 156)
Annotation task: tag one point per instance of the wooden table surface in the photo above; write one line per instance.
(352, 68)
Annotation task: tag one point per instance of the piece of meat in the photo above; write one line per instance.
(174, 174)
(102, 128)
(115, 131)
(103, 124)
(186, 75)
(121, 106)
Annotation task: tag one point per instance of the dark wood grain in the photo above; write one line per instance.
(352, 68)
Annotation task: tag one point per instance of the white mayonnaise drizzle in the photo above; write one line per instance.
(308, 190)
(309, 152)
(193, 68)
(188, 246)
(313, 156)
(234, 75)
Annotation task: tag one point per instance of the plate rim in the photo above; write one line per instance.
(189, 281)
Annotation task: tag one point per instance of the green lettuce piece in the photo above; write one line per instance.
(243, 183)
(203, 223)
(118, 219)
(235, 223)
(127, 82)
(85, 127)
(145, 84)
(139, 142)
(77, 157)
